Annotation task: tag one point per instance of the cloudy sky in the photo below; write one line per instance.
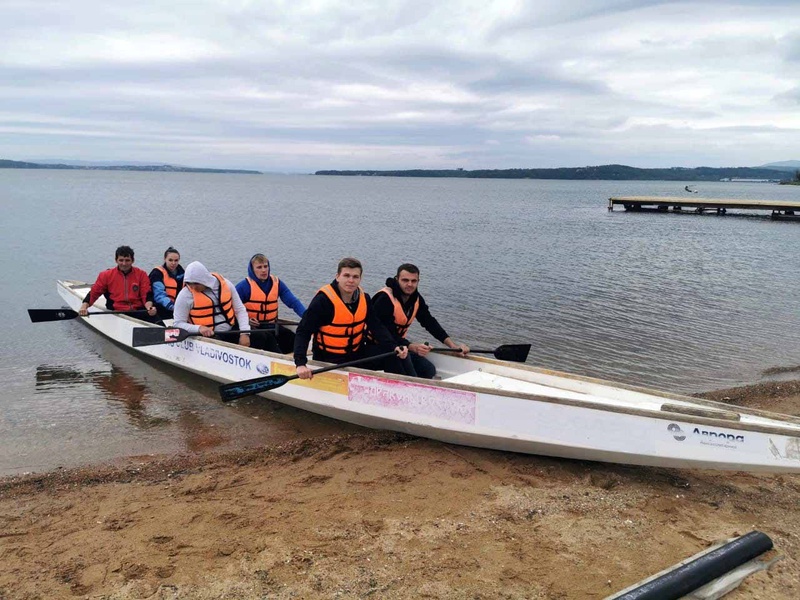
(300, 85)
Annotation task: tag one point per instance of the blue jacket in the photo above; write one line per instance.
(284, 293)
(159, 291)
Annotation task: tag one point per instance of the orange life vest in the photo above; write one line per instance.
(204, 309)
(346, 332)
(401, 321)
(170, 283)
(261, 306)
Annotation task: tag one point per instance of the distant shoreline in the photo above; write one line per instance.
(15, 164)
(777, 174)
(604, 172)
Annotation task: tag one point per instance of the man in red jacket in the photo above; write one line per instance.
(125, 287)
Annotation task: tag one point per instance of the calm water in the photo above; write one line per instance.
(679, 302)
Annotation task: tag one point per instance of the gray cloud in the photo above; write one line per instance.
(310, 85)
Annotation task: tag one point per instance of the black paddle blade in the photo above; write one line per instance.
(232, 391)
(150, 336)
(508, 352)
(40, 315)
(513, 352)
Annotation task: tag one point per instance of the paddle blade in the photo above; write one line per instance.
(232, 391)
(40, 315)
(151, 336)
(513, 352)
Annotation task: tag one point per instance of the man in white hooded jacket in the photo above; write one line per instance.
(209, 305)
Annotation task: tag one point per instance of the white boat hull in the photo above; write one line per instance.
(491, 404)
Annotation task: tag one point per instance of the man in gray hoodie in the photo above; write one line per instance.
(209, 305)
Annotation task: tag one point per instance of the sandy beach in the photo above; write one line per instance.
(382, 515)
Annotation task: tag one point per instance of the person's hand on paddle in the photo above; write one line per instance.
(83, 310)
(303, 372)
(401, 351)
(151, 310)
(463, 347)
(206, 331)
(419, 349)
(244, 340)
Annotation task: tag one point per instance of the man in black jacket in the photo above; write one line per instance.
(397, 306)
(338, 319)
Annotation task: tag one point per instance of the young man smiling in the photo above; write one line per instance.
(338, 319)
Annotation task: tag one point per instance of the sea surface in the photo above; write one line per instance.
(680, 302)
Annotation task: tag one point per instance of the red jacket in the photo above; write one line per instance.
(122, 292)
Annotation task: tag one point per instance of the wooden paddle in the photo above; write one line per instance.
(152, 336)
(509, 352)
(40, 315)
(240, 389)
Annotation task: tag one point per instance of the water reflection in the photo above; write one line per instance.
(105, 402)
(115, 385)
(140, 405)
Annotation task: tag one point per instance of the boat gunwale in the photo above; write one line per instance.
(742, 410)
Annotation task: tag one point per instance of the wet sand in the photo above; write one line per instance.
(381, 515)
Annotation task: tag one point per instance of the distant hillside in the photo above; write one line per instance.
(784, 165)
(15, 164)
(604, 172)
(93, 163)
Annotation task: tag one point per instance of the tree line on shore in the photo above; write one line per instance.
(602, 172)
(608, 172)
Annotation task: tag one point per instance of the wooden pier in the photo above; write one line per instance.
(779, 209)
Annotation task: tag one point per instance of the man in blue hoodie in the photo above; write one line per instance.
(260, 292)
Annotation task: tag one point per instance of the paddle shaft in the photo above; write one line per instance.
(240, 389)
(268, 329)
(131, 313)
(471, 351)
(196, 334)
(351, 363)
(507, 352)
(153, 336)
(41, 315)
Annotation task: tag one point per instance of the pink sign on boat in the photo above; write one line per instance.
(415, 398)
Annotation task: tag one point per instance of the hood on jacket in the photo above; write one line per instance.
(196, 272)
(394, 285)
(265, 285)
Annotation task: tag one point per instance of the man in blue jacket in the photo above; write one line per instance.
(260, 292)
